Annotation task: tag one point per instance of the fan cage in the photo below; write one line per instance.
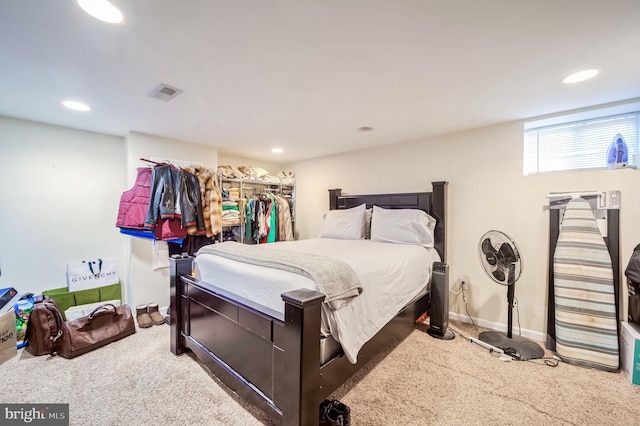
(497, 238)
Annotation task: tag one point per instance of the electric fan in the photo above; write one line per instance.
(501, 260)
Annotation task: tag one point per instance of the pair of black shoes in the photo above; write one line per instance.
(334, 413)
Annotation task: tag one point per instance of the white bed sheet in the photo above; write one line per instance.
(391, 276)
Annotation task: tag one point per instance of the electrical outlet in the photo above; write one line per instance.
(464, 282)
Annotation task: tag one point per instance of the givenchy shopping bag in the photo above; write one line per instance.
(92, 273)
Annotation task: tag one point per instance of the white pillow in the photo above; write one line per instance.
(402, 226)
(348, 224)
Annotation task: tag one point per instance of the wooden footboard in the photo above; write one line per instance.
(271, 362)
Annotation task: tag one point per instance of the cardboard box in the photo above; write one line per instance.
(630, 351)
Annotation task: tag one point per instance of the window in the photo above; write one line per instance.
(579, 144)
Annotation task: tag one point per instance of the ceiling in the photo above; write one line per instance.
(304, 75)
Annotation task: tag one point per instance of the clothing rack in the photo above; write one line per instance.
(254, 188)
(153, 162)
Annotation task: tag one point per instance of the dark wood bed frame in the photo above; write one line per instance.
(273, 361)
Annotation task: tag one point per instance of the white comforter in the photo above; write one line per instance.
(391, 276)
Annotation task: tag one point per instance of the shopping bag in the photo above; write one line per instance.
(8, 347)
(92, 273)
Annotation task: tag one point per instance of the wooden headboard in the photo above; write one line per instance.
(434, 203)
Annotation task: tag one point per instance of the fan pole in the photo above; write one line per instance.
(510, 297)
(511, 288)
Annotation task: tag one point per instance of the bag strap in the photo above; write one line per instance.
(90, 263)
(59, 321)
(103, 307)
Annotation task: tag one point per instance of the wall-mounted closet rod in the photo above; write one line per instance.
(153, 162)
(572, 194)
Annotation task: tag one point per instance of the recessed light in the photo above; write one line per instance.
(365, 129)
(102, 10)
(76, 106)
(277, 150)
(580, 76)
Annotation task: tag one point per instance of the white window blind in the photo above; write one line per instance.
(578, 145)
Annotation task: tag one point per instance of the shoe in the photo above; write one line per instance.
(343, 410)
(143, 317)
(156, 317)
(329, 415)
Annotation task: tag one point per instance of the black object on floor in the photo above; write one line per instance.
(439, 312)
(334, 413)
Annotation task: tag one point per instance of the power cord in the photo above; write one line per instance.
(466, 306)
(510, 354)
(548, 361)
(518, 312)
(459, 290)
(464, 298)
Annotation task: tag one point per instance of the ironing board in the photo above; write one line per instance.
(586, 330)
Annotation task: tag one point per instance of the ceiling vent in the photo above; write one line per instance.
(164, 92)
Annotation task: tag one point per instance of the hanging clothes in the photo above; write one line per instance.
(133, 208)
(258, 217)
(211, 200)
(584, 294)
(175, 194)
(248, 218)
(191, 204)
(134, 202)
(272, 216)
(285, 227)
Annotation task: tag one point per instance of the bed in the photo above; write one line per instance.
(281, 355)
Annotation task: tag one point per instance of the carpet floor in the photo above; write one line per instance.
(421, 381)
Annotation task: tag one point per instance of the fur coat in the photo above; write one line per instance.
(211, 201)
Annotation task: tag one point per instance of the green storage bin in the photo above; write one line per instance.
(67, 299)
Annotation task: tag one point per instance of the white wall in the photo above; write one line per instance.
(486, 191)
(60, 191)
(144, 284)
(56, 184)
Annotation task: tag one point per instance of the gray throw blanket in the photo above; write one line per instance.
(334, 278)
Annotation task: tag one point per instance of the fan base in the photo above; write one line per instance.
(515, 345)
(448, 334)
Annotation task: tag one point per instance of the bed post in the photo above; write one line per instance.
(301, 384)
(439, 212)
(178, 266)
(333, 198)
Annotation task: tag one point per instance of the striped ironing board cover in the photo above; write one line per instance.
(586, 322)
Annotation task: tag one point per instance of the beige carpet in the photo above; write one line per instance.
(421, 381)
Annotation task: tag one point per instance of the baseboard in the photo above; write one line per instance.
(534, 335)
